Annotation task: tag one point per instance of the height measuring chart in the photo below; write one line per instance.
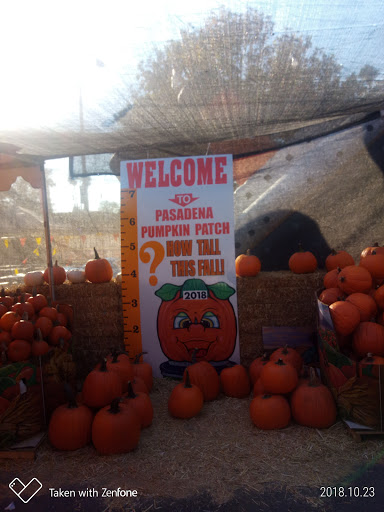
(178, 262)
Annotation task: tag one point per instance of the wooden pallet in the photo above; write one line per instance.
(25, 449)
(360, 434)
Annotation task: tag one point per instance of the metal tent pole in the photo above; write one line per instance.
(47, 232)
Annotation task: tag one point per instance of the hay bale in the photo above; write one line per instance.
(269, 299)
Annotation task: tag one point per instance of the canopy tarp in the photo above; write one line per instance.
(243, 78)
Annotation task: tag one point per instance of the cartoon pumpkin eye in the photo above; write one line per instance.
(181, 321)
(210, 320)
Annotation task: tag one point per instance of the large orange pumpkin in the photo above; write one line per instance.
(345, 317)
(365, 304)
(205, 325)
(368, 338)
(353, 278)
(312, 404)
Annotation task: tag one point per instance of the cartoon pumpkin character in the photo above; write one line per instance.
(196, 318)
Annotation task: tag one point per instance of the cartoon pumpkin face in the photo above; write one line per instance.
(204, 325)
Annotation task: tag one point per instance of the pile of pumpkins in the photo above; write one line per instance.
(355, 296)
(114, 403)
(97, 270)
(112, 408)
(30, 326)
(300, 262)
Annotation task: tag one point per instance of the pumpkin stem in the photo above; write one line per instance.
(285, 350)
(72, 404)
(114, 409)
(265, 357)
(137, 358)
(300, 247)
(56, 264)
(97, 257)
(266, 396)
(103, 366)
(313, 378)
(187, 383)
(333, 252)
(131, 393)
(248, 252)
(39, 335)
(280, 362)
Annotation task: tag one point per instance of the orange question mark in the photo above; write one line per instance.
(145, 257)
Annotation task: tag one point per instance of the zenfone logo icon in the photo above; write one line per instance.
(25, 491)
(184, 199)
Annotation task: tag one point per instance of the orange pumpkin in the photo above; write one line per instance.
(204, 376)
(312, 404)
(330, 279)
(247, 265)
(279, 377)
(302, 262)
(339, 259)
(207, 324)
(365, 304)
(19, 350)
(353, 278)
(374, 263)
(98, 270)
(186, 400)
(368, 250)
(101, 386)
(368, 338)
(270, 412)
(345, 317)
(256, 366)
(235, 381)
(330, 295)
(59, 274)
(378, 296)
(288, 355)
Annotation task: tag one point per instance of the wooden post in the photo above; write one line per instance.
(47, 232)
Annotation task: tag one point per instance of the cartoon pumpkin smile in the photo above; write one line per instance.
(196, 317)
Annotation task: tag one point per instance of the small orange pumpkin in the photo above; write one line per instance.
(186, 400)
(247, 265)
(59, 274)
(330, 295)
(302, 262)
(98, 270)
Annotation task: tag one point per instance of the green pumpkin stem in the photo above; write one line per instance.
(114, 409)
(72, 404)
(137, 358)
(97, 257)
(187, 383)
(314, 381)
(131, 393)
